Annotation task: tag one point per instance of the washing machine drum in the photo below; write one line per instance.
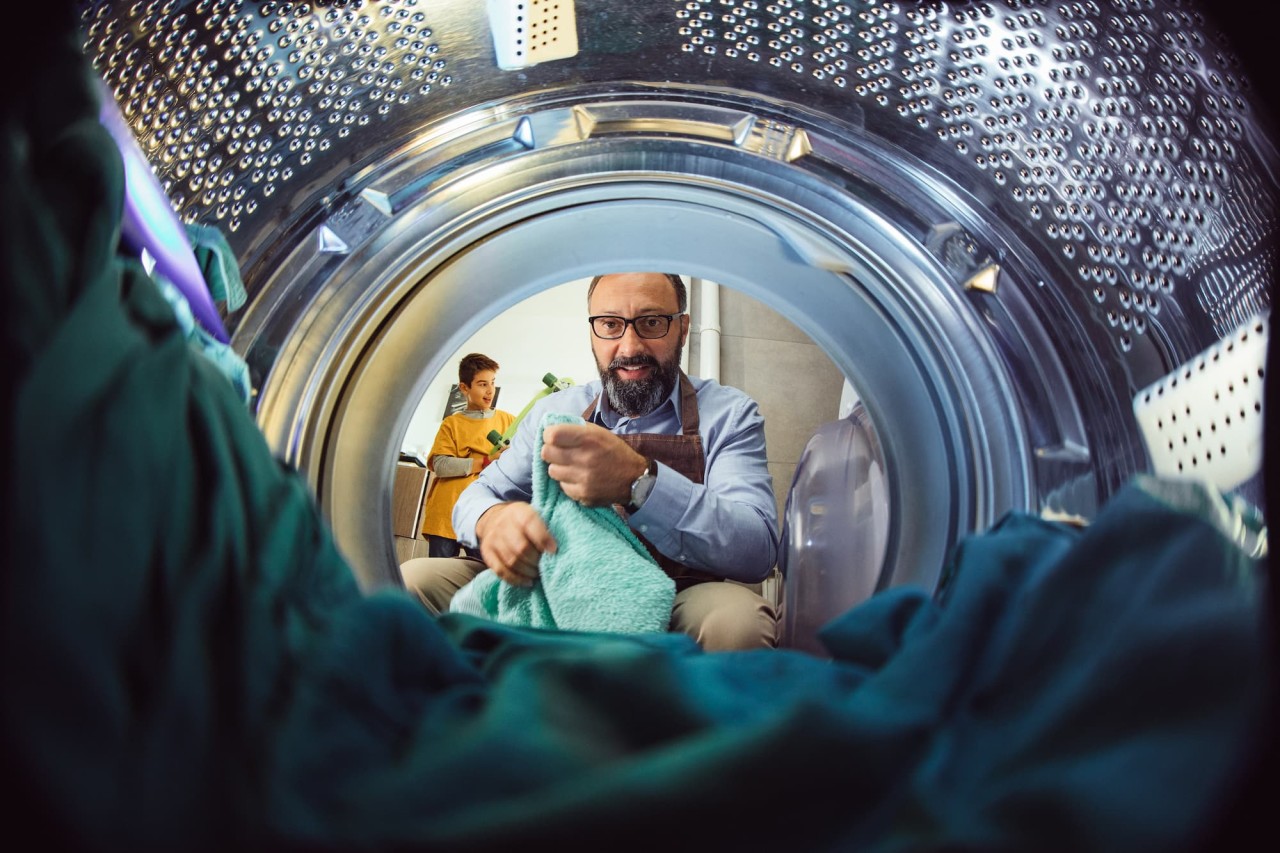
(1003, 221)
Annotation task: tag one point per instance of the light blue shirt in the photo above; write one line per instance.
(727, 525)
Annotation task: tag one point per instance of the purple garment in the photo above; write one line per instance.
(150, 223)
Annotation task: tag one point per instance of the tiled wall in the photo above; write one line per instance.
(795, 383)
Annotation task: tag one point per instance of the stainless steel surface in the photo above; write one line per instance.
(1000, 219)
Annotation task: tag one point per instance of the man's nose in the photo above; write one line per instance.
(631, 342)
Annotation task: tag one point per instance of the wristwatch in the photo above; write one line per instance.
(641, 488)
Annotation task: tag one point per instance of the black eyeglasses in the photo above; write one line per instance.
(610, 327)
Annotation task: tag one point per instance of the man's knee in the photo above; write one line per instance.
(435, 580)
(725, 617)
(753, 626)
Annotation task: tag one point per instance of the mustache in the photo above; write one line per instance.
(633, 361)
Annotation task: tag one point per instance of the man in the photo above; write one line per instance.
(683, 458)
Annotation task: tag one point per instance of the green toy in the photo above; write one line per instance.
(501, 441)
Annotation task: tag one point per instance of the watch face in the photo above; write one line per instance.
(641, 487)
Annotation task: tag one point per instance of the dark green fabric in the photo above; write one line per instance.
(217, 264)
(163, 574)
(188, 663)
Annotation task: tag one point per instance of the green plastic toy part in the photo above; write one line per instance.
(501, 441)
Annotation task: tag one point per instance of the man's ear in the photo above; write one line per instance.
(684, 329)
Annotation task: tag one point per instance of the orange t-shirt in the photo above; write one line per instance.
(463, 437)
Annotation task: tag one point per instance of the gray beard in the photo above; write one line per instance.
(639, 397)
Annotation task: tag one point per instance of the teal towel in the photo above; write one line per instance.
(601, 577)
(218, 264)
(223, 357)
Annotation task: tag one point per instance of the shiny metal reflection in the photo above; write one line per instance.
(1111, 159)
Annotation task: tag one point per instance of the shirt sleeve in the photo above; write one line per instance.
(451, 466)
(727, 525)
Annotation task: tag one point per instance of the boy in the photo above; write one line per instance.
(461, 451)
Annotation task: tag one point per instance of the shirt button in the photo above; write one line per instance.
(644, 528)
(683, 557)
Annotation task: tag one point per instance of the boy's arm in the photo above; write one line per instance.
(445, 460)
(451, 466)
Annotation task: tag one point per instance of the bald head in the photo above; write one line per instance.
(677, 284)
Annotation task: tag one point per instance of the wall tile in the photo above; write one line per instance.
(796, 385)
(751, 318)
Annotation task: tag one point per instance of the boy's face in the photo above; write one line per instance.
(479, 393)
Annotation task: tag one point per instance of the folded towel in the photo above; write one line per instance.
(601, 577)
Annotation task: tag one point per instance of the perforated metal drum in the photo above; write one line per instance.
(1000, 219)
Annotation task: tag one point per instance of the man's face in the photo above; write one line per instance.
(479, 393)
(638, 373)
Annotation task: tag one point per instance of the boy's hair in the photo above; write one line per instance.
(677, 283)
(473, 363)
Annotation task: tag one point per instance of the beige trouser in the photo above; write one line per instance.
(720, 616)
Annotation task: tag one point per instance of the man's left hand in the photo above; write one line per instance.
(592, 465)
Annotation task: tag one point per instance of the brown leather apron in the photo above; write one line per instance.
(683, 454)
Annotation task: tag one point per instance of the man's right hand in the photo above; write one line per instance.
(512, 538)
